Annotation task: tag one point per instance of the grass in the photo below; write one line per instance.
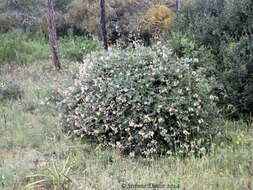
(34, 154)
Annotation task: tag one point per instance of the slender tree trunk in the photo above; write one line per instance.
(52, 35)
(178, 5)
(103, 24)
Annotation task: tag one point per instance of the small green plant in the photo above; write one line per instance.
(141, 103)
(75, 48)
(52, 96)
(54, 177)
(10, 91)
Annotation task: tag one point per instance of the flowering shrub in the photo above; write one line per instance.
(142, 101)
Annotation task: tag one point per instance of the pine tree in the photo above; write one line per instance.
(52, 35)
(103, 24)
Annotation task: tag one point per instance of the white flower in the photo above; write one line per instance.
(131, 123)
(201, 121)
(196, 60)
(190, 109)
(188, 60)
(195, 96)
(132, 154)
(147, 119)
(186, 132)
(118, 144)
(161, 120)
(175, 83)
(160, 106)
(151, 133)
(141, 133)
(152, 150)
(180, 91)
(203, 149)
(172, 111)
(211, 97)
(196, 104)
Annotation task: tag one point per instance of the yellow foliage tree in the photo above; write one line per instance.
(158, 18)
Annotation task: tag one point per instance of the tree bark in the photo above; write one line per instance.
(103, 24)
(52, 35)
(178, 5)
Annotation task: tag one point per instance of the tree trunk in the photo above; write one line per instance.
(178, 5)
(52, 35)
(103, 24)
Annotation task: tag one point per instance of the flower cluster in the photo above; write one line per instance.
(141, 101)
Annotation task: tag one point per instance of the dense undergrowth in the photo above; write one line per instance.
(224, 28)
(18, 48)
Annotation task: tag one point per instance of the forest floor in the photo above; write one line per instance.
(35, 154)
